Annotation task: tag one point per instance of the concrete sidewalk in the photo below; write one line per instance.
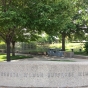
(47, 58)
(59, 58)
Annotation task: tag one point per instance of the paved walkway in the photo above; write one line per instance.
(45, 58)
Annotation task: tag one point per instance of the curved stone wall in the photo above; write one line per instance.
(43, 74)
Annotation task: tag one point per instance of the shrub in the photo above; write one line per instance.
(86, 47)
(2, 46)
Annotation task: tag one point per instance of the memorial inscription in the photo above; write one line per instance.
(43, 74)
(49, 75)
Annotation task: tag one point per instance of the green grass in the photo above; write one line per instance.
(19, 57)
(69, 46)
(81, 53)
(3, 57)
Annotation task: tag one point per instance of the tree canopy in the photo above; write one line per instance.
(52, 16)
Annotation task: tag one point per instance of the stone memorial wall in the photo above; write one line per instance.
(43, 74)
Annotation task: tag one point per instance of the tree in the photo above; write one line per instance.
(51, 16)
(76, 26)
(19, 36)
(80, 20)
(56, 18)
(11, 16)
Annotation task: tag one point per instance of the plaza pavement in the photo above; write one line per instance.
(47, 58)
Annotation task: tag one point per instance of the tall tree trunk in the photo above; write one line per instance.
(13, 48)
(63, 41)
(8, 51)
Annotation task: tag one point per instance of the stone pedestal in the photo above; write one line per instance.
(68, 54)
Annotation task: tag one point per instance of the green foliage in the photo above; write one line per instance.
(47, 39)
(54, 16)
(51, 16)
(2, 57)
(86, 47)
(12, 21)
(2, 46)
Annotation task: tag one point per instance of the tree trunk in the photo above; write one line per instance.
(63, 41)
(13, 48)
(8, 51)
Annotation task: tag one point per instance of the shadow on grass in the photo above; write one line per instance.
(2, 57)
(17, 57)
(81, 53)
(2, 54)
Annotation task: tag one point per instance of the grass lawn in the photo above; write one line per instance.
(81, 53)
(69, 46)
(3, 57)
